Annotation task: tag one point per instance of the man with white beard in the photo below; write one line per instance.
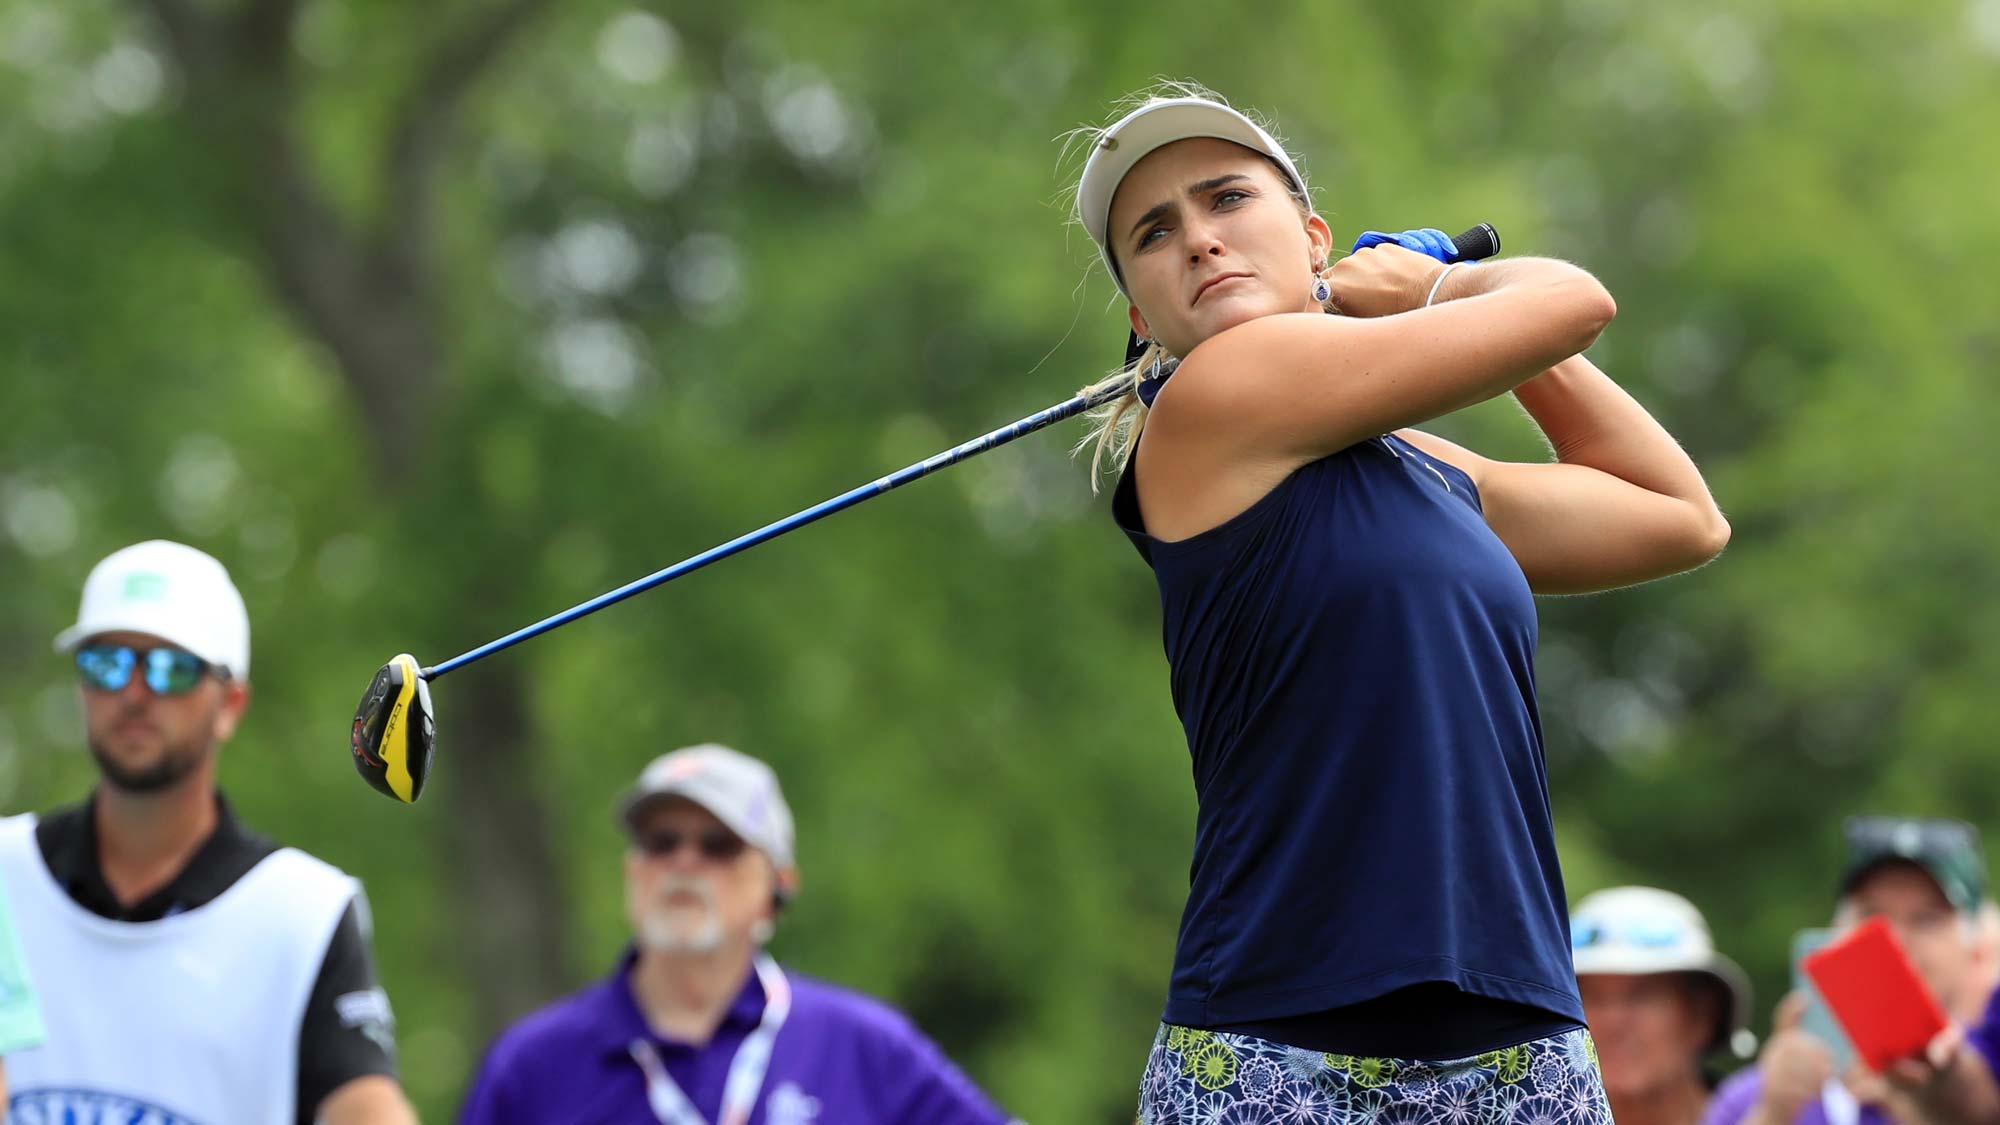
(698, 1024)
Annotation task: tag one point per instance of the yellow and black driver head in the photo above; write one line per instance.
(394, 731)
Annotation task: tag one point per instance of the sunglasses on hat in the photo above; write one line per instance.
(1646, 933)
(1891, 835)
(167, 670)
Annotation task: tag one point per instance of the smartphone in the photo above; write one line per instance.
(1876, 994)
(1818, 1020)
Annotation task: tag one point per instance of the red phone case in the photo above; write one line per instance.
(1875, 993)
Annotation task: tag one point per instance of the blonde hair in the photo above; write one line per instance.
(1116, 425)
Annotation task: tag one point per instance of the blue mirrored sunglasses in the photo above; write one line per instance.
(168, 671)
(1648, 933)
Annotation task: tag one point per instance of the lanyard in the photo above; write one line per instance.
(1841, 1107)
(746, 1070)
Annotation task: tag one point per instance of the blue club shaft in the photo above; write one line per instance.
(770, 531)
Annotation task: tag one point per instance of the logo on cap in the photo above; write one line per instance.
(760, 809)
(145, 587)
(687, 766)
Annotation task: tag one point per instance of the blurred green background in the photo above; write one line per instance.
(432, 319)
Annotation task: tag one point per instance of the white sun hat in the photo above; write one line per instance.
(1640, 931)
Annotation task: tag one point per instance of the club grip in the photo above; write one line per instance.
(1481, 241)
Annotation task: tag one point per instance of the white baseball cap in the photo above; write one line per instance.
(176, 593)
(741, 791)
(1640, 931)
(1154, 125)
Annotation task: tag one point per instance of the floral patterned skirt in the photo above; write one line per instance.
(1217, 1078)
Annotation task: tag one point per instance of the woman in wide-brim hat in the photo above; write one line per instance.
(1661, 1001)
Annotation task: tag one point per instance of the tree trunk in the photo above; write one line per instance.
(506, 878)
(369, 293)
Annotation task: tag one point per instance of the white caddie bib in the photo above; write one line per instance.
(190, 1020)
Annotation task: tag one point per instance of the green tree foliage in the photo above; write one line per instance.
(433, 319)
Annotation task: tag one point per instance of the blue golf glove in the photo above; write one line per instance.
(1428, 240)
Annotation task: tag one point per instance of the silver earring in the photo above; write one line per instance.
(1322, 290)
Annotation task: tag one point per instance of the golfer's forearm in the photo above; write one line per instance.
(1590, 420)
(1470, 279)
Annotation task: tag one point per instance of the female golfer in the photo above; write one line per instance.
(1376, 923)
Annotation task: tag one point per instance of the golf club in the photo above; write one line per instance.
(395, 729)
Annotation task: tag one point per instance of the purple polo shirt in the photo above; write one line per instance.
(841, 1058)
(1984, 1036)
(1737, 1096)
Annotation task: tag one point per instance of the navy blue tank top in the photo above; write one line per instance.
(1352, 659)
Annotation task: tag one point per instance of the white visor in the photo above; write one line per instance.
(1153, 125)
